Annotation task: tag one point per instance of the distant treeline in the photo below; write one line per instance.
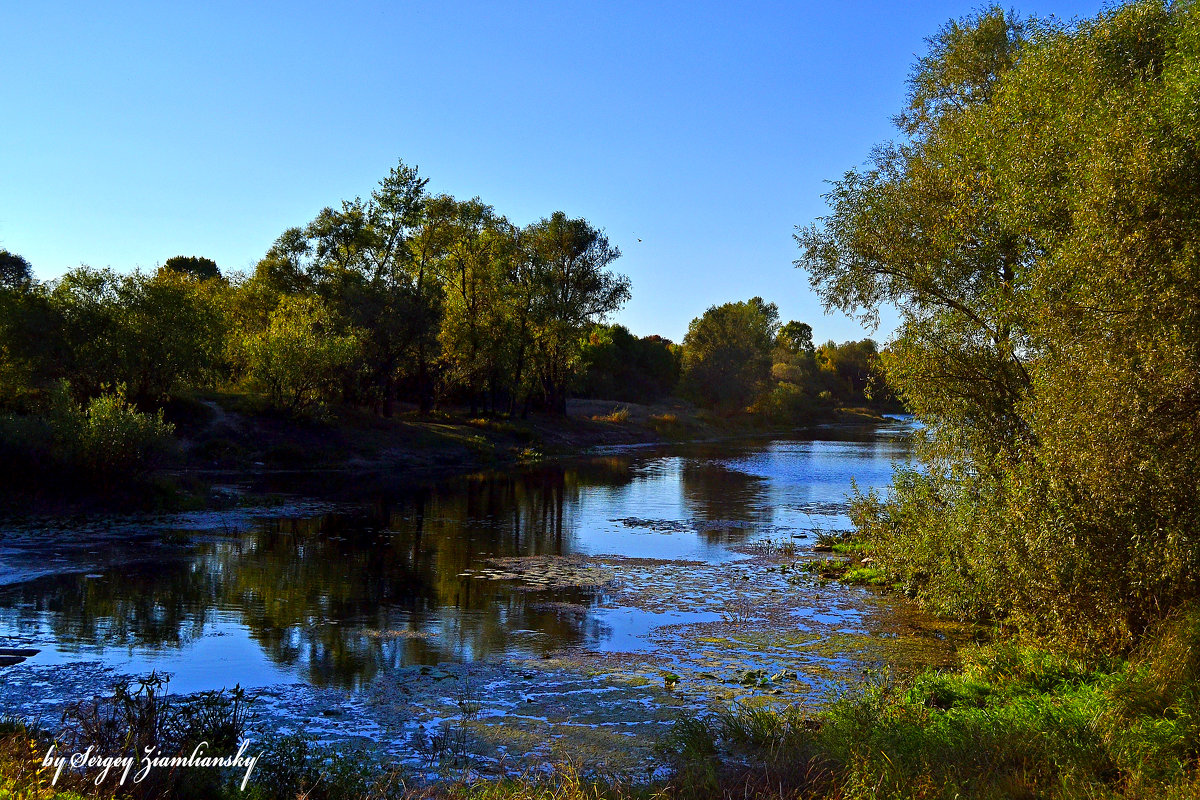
(402, 295)
(402, 298)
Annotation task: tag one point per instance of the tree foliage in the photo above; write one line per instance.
(198, 267)
(574, 289)
(299, 356)
(727, 353)
(1036, 227)
(15, 271)
(616, 365)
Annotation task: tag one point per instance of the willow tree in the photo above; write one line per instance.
(1036, 226)
(472, 269)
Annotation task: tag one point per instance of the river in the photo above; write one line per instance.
(565, 609)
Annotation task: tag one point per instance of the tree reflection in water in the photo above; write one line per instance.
(343, 596)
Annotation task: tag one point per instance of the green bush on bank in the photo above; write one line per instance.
(101, 442)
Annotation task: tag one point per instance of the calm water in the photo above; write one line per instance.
(338, 596)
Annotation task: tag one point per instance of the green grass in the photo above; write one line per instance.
(1014, 722)
(845, 571)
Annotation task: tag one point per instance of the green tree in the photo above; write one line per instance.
(153, 334)
(299, 358)
(616, 365)
(853, 363)
(572, 290)
(171, 333)
(1036, 229)
(15, 272)
(796, 338)
(198, 267)
(360, 260)
(30, 333)
(727, 353)
(472, 267)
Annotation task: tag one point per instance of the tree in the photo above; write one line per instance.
(152, 334)
(440, 289)
(616, 365)
(854, 364)
(15, 272)
(359, 259)
(298, 359)
(198, 267)
(477, 245)
(31, 342)
(796, 338)
(573, 289)
(171, 333)
(727, 353)
(1035, 227)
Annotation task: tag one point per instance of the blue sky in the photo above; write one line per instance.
(135, 132)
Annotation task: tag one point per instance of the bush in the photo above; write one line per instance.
(107, 440)
(115, 440)
(785, 404)
(102, 443)
(298, 359)
(26, 445)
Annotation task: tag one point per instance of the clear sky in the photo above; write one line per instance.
(134, 132)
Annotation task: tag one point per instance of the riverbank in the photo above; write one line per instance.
(233, 432)
(227, 438)
(723, 683)
(503, 621)
(1013, 721)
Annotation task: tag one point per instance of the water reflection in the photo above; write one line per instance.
(337, 598)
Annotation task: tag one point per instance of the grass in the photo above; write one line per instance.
(1015, 721)
(21, 775)
(616, 416)
(855, 572)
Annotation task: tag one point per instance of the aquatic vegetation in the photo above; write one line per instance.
(659, 525)
(773, 548)
(543, 572)
(294, 766)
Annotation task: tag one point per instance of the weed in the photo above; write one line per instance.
(782, 547)
(1014, 721)
(617, 416)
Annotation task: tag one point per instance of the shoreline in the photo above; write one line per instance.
(223, 440)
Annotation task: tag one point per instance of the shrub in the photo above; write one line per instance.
(298, 359)
(108, 439)
(617, 415)
(115, 440)
(103, 442)
(784, 404)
